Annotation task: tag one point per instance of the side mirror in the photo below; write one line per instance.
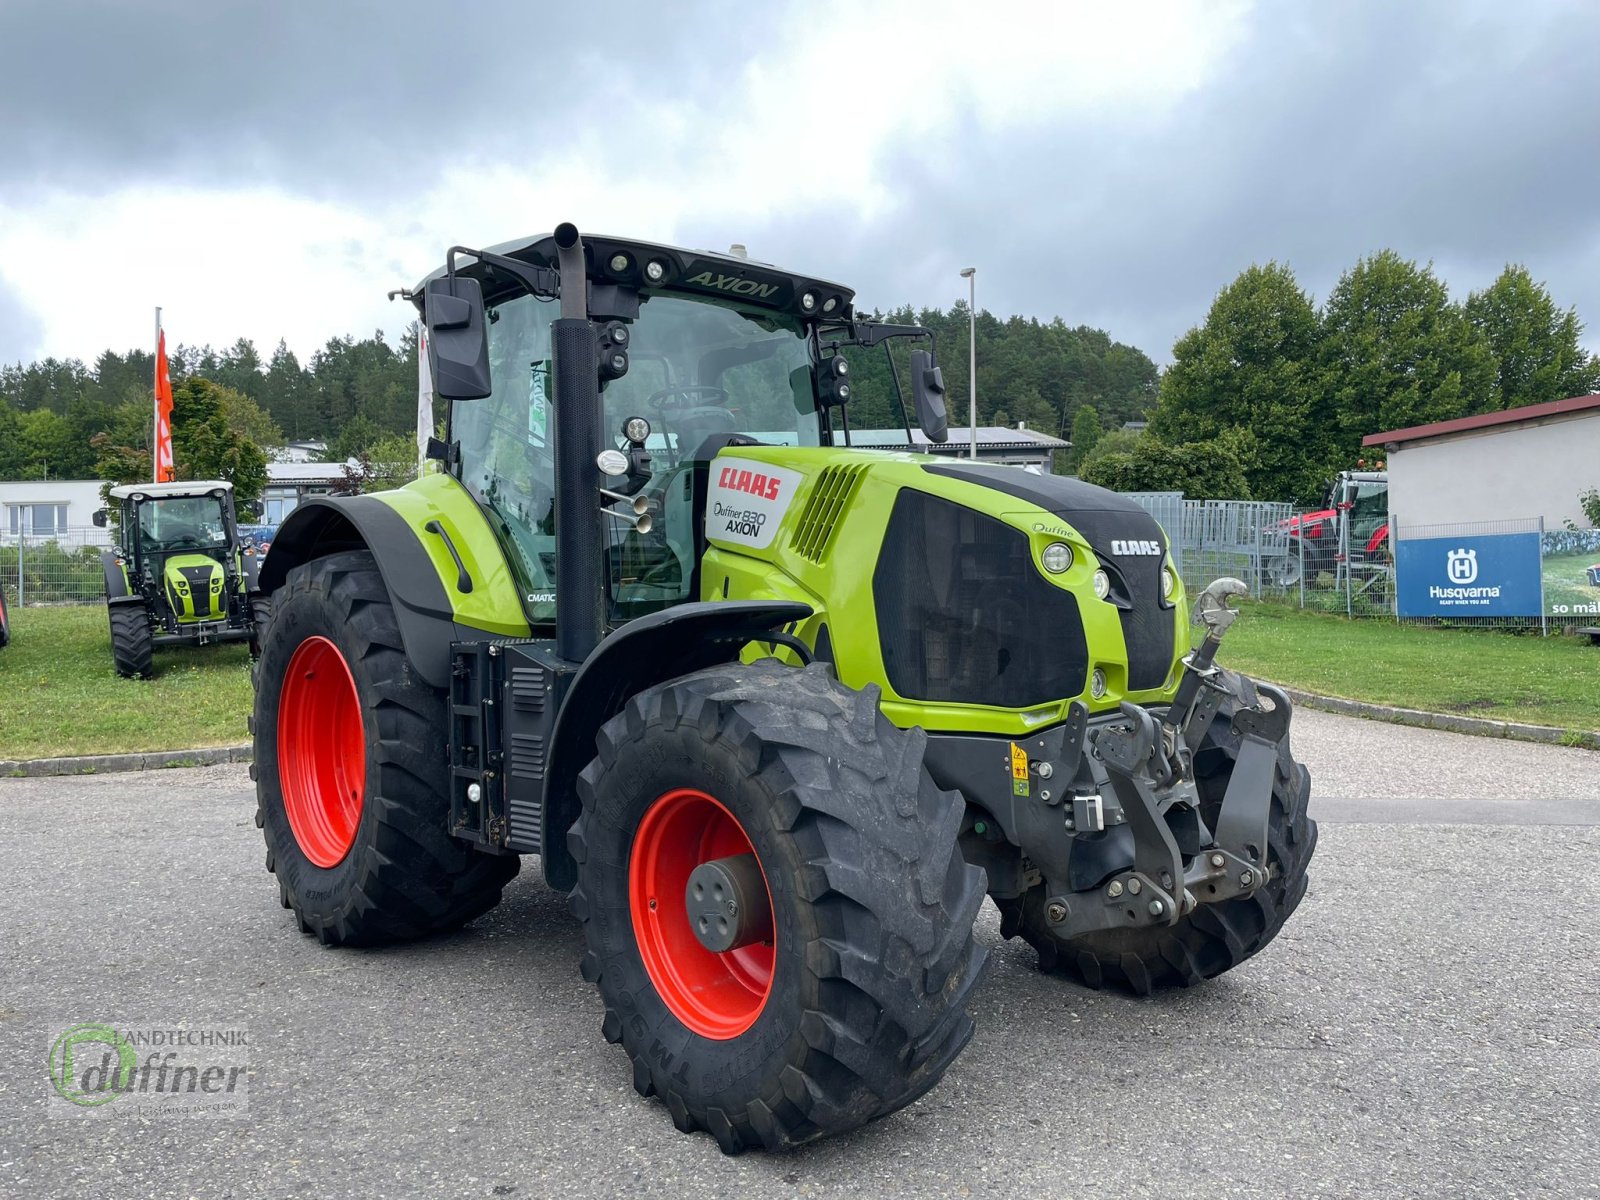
(99, 518)
(458, 343)
(927, 394)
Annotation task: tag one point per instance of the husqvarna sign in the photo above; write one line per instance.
(1491, 575)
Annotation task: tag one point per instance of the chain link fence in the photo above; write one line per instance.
(1311, 558)
(59, 568)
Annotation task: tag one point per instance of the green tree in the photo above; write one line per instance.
(1086, 433)
(1200, 470)
(1536, 345)
(1253, 365)
(203, 445)
(1396, 352)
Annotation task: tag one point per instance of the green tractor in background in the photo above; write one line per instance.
(775, 713)
(179, 575)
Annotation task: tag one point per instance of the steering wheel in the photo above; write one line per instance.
(718, 397)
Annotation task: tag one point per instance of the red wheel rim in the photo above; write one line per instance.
(322, 751)
(715, 995)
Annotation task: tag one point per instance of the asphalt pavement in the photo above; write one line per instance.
(1425, 1026)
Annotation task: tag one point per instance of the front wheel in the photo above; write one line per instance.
(351, 771)
(132, 644)
(776, 911)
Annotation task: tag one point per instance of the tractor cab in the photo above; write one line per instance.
(699, 352)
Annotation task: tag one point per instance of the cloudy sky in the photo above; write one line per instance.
(271, 169)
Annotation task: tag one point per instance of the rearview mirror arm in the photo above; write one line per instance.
(540, 281)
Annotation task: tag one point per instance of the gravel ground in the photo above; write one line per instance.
(1425, 1026)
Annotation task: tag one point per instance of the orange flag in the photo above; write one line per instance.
(163, 453)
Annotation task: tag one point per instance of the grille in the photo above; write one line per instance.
(1146, 626)
(965, 616)
(826, 504)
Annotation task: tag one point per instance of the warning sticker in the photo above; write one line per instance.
(747, 501)
(1019, 770)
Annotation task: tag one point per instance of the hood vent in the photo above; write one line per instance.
(829, 498)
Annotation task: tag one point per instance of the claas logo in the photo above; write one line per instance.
(752, 482)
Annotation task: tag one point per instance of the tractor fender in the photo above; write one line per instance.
(116, 575)
(323, 525)
(646, 651)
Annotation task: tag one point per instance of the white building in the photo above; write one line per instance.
(52, 510)
(288, 483)
(1519, 463)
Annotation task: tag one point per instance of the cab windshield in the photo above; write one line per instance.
(182, 523)
(698, 372)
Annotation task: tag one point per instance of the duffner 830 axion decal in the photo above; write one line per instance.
(747, 502)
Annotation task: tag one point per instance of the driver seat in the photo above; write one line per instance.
(698, 425)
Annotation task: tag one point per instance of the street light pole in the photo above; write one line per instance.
(970, 274)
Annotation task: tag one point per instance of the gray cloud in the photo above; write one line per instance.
(325, 98)
(1465, 134)
(21, 331)
(1469, 138)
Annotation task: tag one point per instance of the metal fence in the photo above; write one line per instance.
(58, 568)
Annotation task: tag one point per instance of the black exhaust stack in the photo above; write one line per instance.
(580, 551)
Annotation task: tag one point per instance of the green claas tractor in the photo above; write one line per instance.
(178, 575)
(775, 713)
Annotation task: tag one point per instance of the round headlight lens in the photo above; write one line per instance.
(1102, 584)
(1097, 684)
(1057, 557)
(636, 429)
(655, 270)
(1169, 583)
(619, 262)
(808, 301)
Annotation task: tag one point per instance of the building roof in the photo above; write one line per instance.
(990, 437)
(197, 487)
(306, 472)
(1509, 416)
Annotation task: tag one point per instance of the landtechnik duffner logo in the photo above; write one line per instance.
(156, 1070)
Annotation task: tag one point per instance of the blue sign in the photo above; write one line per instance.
(1493, 575)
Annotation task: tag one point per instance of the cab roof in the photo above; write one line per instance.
(162, 491)
(705, 273)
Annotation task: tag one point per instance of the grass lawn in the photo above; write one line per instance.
(59, 694)
(1480, 673)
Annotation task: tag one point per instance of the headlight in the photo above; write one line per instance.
(1097, 684)
(1102, 584)
(1169, 583)
(1057, 557)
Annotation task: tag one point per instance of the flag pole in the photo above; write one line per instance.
(155, 403)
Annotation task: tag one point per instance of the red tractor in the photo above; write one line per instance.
(1351, 528)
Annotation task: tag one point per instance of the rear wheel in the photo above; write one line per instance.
(1215, 937)
(776, 912)
(132, 644)
(351, 772)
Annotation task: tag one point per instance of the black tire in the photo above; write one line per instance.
(132, 644)
(874, 956)
(403, 875)
(260, 616)
(1215, 937)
